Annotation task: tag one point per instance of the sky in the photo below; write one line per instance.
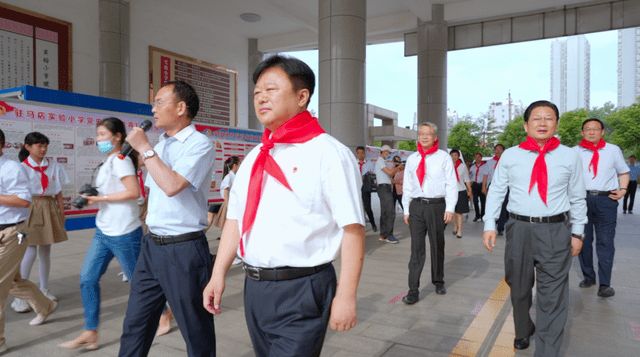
(479, 76)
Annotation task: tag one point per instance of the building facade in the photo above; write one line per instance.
(628, 66)
(504, 111)
(570, 73)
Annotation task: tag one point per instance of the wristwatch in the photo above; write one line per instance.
(579, 236)
(147, 154)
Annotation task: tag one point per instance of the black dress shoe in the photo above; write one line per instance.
(500, 233)
(606, 291)
(523, 343)
(440, 290)
(410, 299)
(374, 228)
(586, 283)
(476, 219)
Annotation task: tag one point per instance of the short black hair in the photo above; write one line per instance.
(300, 74)
(1, 139)
(503, 148)
(360, 148)
(593, 119)
(540, 103)
(454, 151)
(630, 156)
(478, 153)
(31, 139)
(186, 93)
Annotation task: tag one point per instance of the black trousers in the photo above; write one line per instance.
(476, 188)
(547, 248)
(366, 200)
(426, 219)
(504, 214)
(630, 195)
(177, 273)
(387, 210)
(397, 198)
(602, 213)
(289, 317)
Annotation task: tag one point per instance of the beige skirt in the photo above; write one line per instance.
(221, 217)
(45, 225)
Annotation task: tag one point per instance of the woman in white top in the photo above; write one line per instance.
(118, 225)
(464, 191)
(231, 166)
(45, 224)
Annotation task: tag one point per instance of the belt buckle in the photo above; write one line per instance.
(532, 219)
(252, 272)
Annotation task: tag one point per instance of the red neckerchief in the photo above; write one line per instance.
(478, 169)
(141, 181)
(539, 172)
(422, 171)
(497, 159)
(300, 129)
(596, 156)
(456, 169)
(44, 179)
(361, 163)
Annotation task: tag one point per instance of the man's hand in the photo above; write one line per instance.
(484, 189)
(343, 313)
(406, 219)
(448, 216)
(470, 195)
(617, 194)
(138, 140)
(212, 295)
(576, 246)
(489, 240)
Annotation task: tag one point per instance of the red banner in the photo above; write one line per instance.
(165, 70)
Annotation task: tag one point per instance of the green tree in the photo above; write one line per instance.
(408, 145)
(570, 126)
(624, 128)
(602, 113)
(463, 138)
(513, 133)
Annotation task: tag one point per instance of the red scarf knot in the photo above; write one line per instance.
(44, 179)
(456, 170)
(361, 164)
(300, 129)
(478, 169)
(422, 170)
(596, 156)
(539, 173)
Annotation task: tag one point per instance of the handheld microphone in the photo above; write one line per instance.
(126, 148)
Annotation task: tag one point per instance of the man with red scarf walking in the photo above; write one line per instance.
(548, 211)
(294, 203)
(429, 199)
(604, 172)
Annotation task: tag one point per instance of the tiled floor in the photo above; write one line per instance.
(435, 326)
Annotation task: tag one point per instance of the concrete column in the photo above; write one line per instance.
(342, 52)
(432, 72)
(255, 57)
(114, 49)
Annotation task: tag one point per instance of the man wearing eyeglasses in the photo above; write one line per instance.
(606, 176)
(174, 263)
(548, 211)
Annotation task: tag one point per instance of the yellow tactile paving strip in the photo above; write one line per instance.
(504, 343)
(472, 340)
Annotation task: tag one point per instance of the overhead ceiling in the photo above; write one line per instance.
(293, 24)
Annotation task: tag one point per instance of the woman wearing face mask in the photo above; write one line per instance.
(118, 225)
(45, 224)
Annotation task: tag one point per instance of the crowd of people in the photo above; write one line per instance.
(296, 202)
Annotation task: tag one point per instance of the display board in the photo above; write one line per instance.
(34, 50)
(216, 85)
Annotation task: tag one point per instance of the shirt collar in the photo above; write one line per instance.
(35, 164)
(182, 135)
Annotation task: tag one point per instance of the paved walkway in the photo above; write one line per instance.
(473, 318)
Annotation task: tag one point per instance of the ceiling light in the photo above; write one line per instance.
(249, 17)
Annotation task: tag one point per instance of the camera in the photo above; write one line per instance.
(87, 190)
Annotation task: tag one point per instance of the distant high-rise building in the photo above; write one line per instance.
(452, 118)
(628, 66)
(503, 112)
(570, 73)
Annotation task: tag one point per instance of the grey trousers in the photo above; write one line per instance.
(547, 248)
(387, 210)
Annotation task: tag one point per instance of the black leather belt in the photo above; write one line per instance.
(384, 184)
(598, 193)
(5, 226)
(550, 219)
(284, 273)
(429, 201)
(162, 240)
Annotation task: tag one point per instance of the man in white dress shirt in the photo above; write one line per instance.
(366, 168)
(429, 199)
(606, 177)
(294, 205)
(548, 211)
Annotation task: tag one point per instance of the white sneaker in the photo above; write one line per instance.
(49, 295)
(41, 317)
(20, 305)
(124, 277)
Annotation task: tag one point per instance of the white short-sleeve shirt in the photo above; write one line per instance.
(381, 176)
(56, 174)
(610, 165)
(303, 227)
(13, 181)
(463, 173)
(227, 182)
(116, 218)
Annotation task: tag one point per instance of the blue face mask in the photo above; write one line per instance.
(105, 146)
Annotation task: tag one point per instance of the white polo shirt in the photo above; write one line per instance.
(303, 227)
(610, 165)
(476, 169)
(56, 174)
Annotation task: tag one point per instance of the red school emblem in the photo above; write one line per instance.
(295, 169)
